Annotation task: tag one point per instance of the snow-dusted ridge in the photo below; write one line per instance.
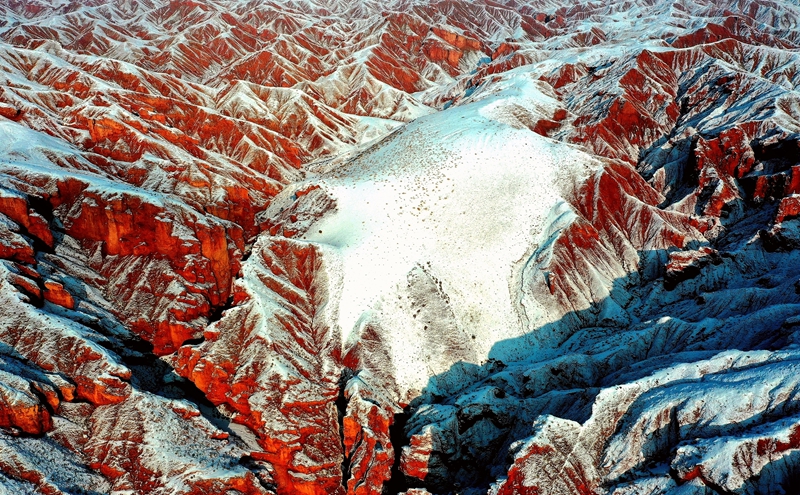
(426, 246)
(461, 197)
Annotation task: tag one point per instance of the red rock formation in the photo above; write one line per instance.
(55, 293)
(48, 343)
(618, 219)
(136, 456)
(15, 247)
(20, 408)
(683, 265)
(789, 208)
(367, 444)
(634, 119)
(720, 162)
(175, 123)
(439, 52)
(296, 419)
(415, 459)
(204, 254)
(17, 209)
(26, 281)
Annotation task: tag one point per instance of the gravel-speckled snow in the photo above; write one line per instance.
(465, 203)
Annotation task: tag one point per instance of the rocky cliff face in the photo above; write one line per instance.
(437, 247)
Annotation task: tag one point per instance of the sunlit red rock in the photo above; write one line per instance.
(129, 441)
(367, 445)
(20, 408)
(13, 246)
(416, 457)
(38, 337)
(789, 208)
(177, 124)
(17, 209)
(295, 420)
(55, 293)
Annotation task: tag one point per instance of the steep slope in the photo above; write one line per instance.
(692, 120)
(435, 246)
(75, 369)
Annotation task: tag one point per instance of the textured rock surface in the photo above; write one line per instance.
(426, 247)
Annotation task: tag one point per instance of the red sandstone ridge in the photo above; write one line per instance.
(55, 293)
(179, 317)
(295, 420)
(16, 208)
(367, 443)
(140, 231)
(450, 47)
(20, 407)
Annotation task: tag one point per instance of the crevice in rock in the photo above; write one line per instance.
(216, 314)
(248, 249)
(398, 482)
(711, 486)
(195, 341)
(42, 207)
(261, 472)
(341, 410)
(152, 374)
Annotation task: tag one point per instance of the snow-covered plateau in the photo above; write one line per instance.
(419, 247)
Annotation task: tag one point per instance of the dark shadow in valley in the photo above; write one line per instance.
(481, 410)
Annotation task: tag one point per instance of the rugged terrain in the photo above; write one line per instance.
(433, 246)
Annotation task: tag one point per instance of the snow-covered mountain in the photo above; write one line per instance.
(416, 246)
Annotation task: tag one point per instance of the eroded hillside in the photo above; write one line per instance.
(438, 247)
